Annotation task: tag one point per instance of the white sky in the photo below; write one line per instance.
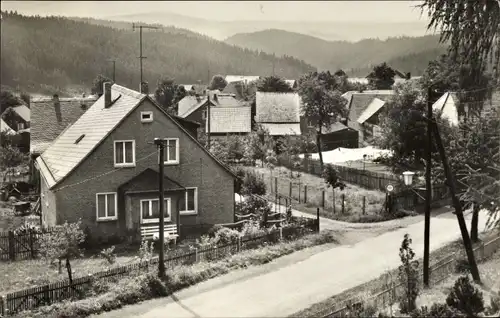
(332, 11)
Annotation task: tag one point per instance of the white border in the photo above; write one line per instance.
(190, 212)
(106, 218)
(128, 164)
(157, 220)
(149, 120)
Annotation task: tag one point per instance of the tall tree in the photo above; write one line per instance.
(322, 101)
(97, 84)
(381, 77)
(164, 94)
(218, 82)
(7, 99)
(273, 84)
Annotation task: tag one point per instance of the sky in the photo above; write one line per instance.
(332, 11)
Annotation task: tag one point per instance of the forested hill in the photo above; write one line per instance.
(47, 54)
(407, 54)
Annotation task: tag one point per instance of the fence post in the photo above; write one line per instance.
(290, 190)
(276, 189)
(343, 203)
(12, 246)
(281, 233)
(305, 193)
(4, 311)
(32, 249)
(196, 255)
(317, 219)
(333, 191)
(323, 199)
(299, 190)
(364, 205)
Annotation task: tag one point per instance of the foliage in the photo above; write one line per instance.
(10, 157)
(382, 77)
(168, 94)
(322, 101)
(252, 228)
(332, 178)
(462, 266)
(270, 159)
(238, 182)
(226, 236)
(63, 243)
(51, 53)
(465, 297)
(217, 82)
(360, 310)
(257, 143)
(436, 311)
(494, 307)
(98, 84)
(252, 184)
(408, 276)
(219, 149)
(273, 84)
(109, 254)
(7, 99)
(146, 251)
(254, 205)
(235, 147)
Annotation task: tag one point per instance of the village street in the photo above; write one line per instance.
(279, 291)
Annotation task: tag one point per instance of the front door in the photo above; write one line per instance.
(150, 211)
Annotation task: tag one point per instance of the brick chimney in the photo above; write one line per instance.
(57, 107)
(216, 99)
(106, 88)
(144, 88)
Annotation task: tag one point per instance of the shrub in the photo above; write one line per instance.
(214, 229)
(146, 251)
(252, 228)
(462, 266)
(254, 205)
(436, 311)
(360, 310)
(253, 184)
(109, 254)
(494, 306)
(408, 276)
(465, 297)
(225, 236)
(238, 182)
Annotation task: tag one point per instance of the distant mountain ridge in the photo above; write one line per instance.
(408, 54)
(56, 54)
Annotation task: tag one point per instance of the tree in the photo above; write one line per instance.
(340, 72)
(97, 84)
(332, 178)
(7, 99)
(257, 143)
(63, 244)
(164, 94)
(273, 84)
(218, 82)
(26, 98)
(408, 276)
(322, 101)
(10, 158)
(470, 28)
(381, 77)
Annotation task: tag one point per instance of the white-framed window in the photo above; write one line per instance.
(188, 203)
(106, 206)
(171, 153)
(146, 117)
(20, 126)
(150, 211)
(124, 153)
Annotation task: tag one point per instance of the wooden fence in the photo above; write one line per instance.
(440, 271)
(18, 246)
(47, 294)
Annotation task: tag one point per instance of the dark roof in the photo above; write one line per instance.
(44, 124)
(359, 102)
(189, 104)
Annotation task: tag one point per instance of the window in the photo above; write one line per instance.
(171, 154)
(125, 153)
(106, 206)
(20, 126)
(204, 114)
(150, 211)
(188, 204)
(146, 117)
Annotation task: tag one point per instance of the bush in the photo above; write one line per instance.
(465, 297)
(254, 205)
(226, 236)
(238, 182)
(252, 228)
(253, 184)
(146, 251)
(462, 266)
(360, 310)
(408, 276)
(109, 254)
(436, 311)
(494, 307)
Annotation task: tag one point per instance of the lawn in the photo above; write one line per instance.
(353, 196)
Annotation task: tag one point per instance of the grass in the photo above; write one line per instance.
(379, 284)
(353, 196)
(130, 290)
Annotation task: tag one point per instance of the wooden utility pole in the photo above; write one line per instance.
(140, 27)
(208, 120)
(428, 186)
(160, 143)
(450, 181)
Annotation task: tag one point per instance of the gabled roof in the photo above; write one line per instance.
(374, 106)
(282, 129)
(23, 112)
(151, 176)
(291, 83)
(360, 101)
(336, 126)
(447, 105)
(277, 107)
(45, 124)
(189, 104)
(244, 78)
(63, 156)
(6, 128)
(230, 119)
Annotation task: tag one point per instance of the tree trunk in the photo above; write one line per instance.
(318, 146)
(474, 223)
(60, 266)
(68, 268)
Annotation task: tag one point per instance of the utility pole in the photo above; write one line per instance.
(428, 186)
(208, 120)
(160, 143)
(274, 58)
(450, 181)
(114, 69)
(140, 27)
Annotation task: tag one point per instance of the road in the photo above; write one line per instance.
(283, 291)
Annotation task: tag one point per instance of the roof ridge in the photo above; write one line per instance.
(127, 91)
(64, 99)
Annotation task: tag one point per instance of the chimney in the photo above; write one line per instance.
(216, 99)
(408, 75)
(57, 107)
(107, 94)
(144, 88)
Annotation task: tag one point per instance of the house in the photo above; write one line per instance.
(17, 117)
(225, 121)
(448, 106)
(195, 88)
(240, 90)
(51, 116)
(278, 112)
(363, 110)
(335, 136)
(6, 128)
(292, 83)
(103, 169)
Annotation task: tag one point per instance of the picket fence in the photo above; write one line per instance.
(381, 299)
(58, 291)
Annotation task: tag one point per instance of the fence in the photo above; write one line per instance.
(17, 246)
(47, 294)
(438, 272)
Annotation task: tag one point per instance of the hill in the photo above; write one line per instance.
(47, 54)
(407, 54)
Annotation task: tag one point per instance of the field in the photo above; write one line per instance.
(353, 196)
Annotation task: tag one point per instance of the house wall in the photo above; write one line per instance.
(48, 205)
(197, 116)
(196, 169)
